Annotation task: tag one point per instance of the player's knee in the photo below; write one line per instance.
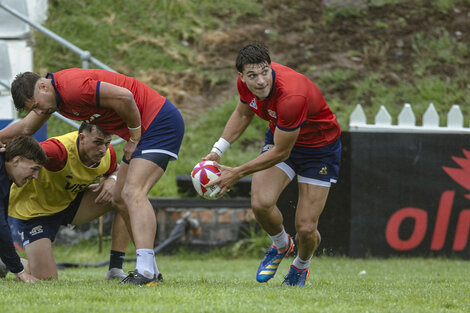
(307, 230)
(132, 197)
(261, 204)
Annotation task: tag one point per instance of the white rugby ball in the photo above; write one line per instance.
(202, 174)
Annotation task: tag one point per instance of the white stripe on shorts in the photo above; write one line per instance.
(173, 155)
(301, 179)
(286, 169)
(313, 181)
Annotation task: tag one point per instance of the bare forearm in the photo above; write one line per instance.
(261, 162)
(235, 126)
(13, 130)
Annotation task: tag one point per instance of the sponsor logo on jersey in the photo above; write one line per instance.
(36, 230)
(76, 188)
(253, 104)
(75, 113)
(69, 176)
(272, 114)
(92, 118)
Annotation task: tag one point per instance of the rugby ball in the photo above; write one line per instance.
(202, 174)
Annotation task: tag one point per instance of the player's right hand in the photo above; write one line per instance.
(212, 157)
(2, 146)
(26, 278)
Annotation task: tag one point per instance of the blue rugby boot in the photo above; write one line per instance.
(268, 266)
(296, 277)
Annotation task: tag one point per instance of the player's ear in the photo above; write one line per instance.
(42, 86)
(16, 160)
(241, 76)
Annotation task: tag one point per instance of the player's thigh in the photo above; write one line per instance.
(88, 210)
(312, 199)
(41, 259)
(142, 175)
(267, 185)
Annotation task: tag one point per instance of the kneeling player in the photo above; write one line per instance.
(61, 196)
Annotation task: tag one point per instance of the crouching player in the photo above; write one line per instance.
(20, 162)
(61, 196)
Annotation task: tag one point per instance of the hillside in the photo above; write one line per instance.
(369, 52)
(373, 52)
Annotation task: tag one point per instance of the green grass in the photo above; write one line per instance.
(211, 283)
(146, 34)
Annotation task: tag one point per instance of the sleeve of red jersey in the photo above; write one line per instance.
(291, 112)
(56, 155)
(113, 162)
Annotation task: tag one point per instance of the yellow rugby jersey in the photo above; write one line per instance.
(52, 192)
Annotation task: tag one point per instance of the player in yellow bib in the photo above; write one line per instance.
(62, 195)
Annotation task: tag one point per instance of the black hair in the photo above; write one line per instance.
(87, 127)
(254, 53)
(26, 147)
(22, 88)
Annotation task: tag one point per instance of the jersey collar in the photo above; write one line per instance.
(59, 98)
(274, 82)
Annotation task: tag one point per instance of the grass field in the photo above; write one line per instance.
(211, 283)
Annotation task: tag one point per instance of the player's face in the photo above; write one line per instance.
(93, 146)
(258, 78)
(23, 170)
(43, 100)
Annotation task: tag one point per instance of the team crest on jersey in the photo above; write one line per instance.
(92, 118)
(323, 171)
(36, 230)
(253, 104)
(272, 114)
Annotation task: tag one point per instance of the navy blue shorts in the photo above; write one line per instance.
(312, 165)
(161, 141)
(27, 231)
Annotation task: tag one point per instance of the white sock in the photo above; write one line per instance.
(301, 264)
(155, 267)
(280, 240)
(145, 262)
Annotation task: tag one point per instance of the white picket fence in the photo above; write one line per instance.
(407, 121)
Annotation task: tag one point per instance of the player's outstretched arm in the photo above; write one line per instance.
(284, 142)
(238, 122)
(234, 128)
(26, 126)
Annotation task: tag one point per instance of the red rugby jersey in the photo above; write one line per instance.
(77, 92)
(294, 102)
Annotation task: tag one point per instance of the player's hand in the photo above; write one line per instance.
(2, 146)
(212, 157)
(105, 188)
(228, 177)
(25, 277)
(129, 148)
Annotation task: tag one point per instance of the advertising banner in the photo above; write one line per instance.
(410, 194)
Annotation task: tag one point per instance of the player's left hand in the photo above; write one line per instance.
(129, 148)
(105, 188)
(228, 177)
